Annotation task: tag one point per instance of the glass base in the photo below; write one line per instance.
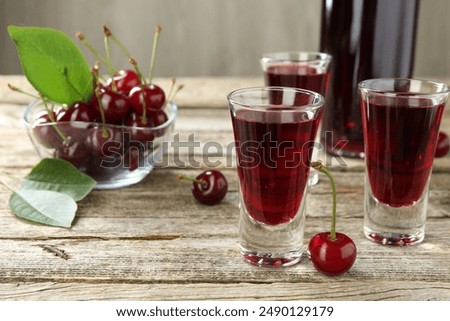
(270, 259)
(122, 178)
(268, 245)
(384, 224)
(389, 238)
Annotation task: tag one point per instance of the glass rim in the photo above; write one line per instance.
(294, 57)
(29, 123)
(366, 86)
(318, 99)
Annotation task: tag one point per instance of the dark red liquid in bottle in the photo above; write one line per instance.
(400, 151)
(367, 39)
(274, 157)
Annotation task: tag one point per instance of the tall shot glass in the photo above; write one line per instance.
(274, 130)
(401, 119)
(298, 69)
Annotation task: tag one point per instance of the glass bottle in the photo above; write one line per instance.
(367, 39)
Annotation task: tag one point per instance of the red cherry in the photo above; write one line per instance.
(154, 98)
(443, 145)
(210, 187)
(115, 105)
(78, 111)
(331, 253)
(157, 118)
(104, 141)
(332, 257)
(44, 132)
(74, 152)
(138, 131)
(124, 80)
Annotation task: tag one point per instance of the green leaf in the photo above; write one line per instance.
(60, 176)
(53, 64)
(46, 207)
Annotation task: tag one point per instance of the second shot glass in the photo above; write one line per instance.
(304, 70)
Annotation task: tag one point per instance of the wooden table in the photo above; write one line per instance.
(153, 241)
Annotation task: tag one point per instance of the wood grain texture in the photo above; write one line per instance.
(153, 241)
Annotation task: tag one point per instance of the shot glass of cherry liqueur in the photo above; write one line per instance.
(274, 130)
(305, 70)
(401, 119)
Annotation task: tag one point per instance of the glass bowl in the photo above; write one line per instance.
(123, 158)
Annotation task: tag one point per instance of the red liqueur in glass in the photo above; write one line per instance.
(400, 152)
(305, 77)
(273, 156)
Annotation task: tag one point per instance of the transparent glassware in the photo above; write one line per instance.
(118, 162)
(401, 119)
(299, 69)
(367, 39)
(274, 130)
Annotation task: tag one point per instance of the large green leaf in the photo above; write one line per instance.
(45, 207)
(53, 63)
(60, 176)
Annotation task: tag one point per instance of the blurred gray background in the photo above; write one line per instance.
(206, 37)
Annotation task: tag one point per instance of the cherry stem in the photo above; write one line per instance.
(319, 167)
(193, 180)
(53, 120)
(13, 88)
(172, 95)
(97, 93)
(48, 109)
(144, 102)
(138, 71)
(153, 58)
(83, 40)
(172, 86)
(108, 58)
(119, 43)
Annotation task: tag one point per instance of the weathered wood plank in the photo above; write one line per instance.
(330, 289)
(211, 258)
(161, 194)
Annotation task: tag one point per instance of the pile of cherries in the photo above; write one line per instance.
(119, 119)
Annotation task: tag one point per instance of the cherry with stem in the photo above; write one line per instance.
(148, 96)
(332, 253)
(209, 188)
(125, 79)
